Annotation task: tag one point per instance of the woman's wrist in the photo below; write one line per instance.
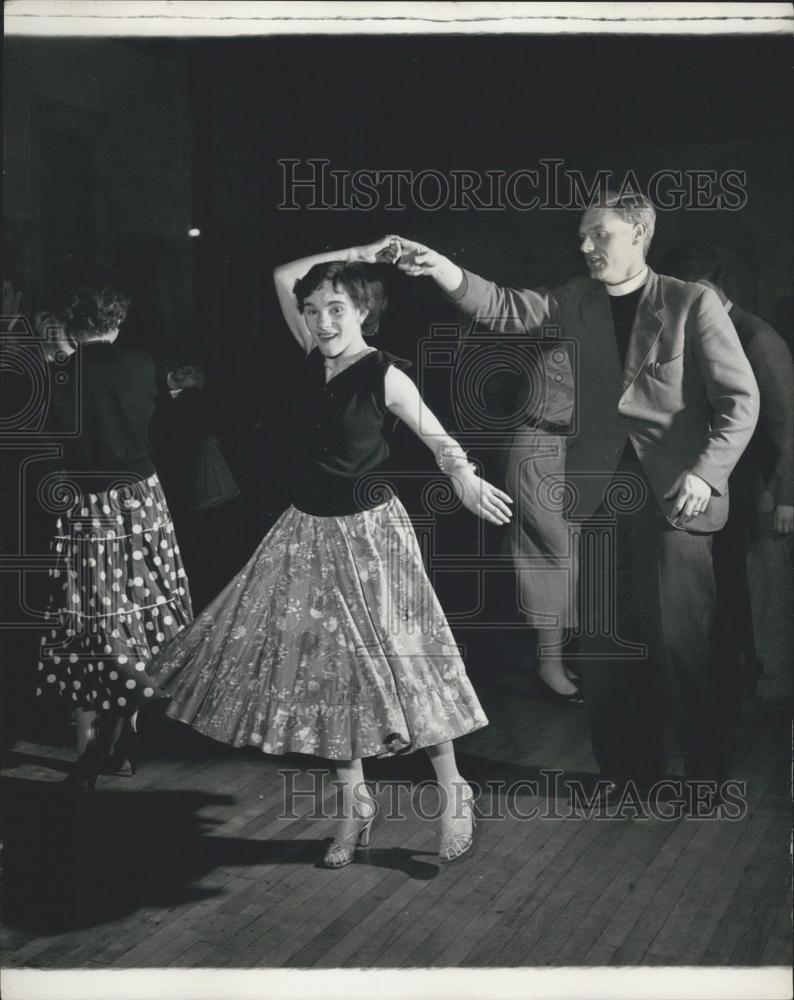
(452, 459)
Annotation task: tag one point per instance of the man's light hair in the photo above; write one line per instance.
(632, 207)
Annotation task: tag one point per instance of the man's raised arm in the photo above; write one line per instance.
(503, 310)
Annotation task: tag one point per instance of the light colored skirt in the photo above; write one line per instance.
(329, 642)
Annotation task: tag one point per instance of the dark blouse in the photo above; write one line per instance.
(343, 428)
(108, 397)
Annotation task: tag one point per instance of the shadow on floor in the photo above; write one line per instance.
(71, 864)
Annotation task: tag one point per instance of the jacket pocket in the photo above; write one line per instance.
(665, 370)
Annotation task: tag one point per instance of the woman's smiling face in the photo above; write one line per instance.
(333, 320)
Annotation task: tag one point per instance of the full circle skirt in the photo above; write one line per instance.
(329, 642)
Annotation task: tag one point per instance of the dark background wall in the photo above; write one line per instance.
(115, 148)
(118, 146)
(97, 167)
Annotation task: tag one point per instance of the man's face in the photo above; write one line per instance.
(612, 247)
(376, 304)
(11, 299)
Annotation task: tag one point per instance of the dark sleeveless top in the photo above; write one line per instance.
(342, 437)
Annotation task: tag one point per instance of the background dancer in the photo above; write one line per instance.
(119, 590)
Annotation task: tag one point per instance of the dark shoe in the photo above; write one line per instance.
(123, 760)
(602, 798)
(542, 692)
(118, 765)
(82, 778)
(611, 792)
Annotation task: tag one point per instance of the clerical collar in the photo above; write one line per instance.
(630, 284)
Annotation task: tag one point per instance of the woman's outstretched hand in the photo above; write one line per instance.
(384, 250)
(414, 258)
(419, 261)
(481, 497)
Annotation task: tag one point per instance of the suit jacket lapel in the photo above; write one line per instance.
(646, 330)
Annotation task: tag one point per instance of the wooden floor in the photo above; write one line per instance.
(191, 864)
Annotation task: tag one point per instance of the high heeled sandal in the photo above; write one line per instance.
(342, 852)
(455, 845)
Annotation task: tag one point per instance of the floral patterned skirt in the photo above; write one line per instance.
(330, 642)
(118, 594)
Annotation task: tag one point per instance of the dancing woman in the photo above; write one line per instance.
(118, 587)
(331, 641)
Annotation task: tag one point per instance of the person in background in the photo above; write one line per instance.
(12, 295)
(753, 553)
(17, 391)
(197, 481)
(376, 321)
(119, 590)
(538, 538)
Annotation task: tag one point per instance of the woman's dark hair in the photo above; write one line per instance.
(352, 278)
(95, 305)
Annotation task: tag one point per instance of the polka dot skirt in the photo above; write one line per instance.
(119, 593)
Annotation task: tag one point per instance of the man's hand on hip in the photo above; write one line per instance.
(690, 496)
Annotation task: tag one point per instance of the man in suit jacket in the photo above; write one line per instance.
(666, 402)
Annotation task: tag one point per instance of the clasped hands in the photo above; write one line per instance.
(409, 256)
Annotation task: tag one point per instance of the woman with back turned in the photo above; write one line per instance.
(119, 591)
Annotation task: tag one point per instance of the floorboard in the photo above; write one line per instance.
(194, 862)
